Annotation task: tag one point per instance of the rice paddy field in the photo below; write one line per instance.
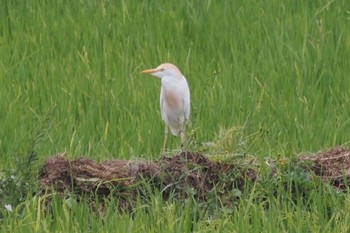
(268, 79)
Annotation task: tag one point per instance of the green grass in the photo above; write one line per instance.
(324, 211)
(268, 78)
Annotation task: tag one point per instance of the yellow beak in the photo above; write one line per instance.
(150, 71)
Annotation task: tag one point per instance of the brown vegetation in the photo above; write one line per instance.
(175, 176)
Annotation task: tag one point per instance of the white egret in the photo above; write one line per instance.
(174, 100)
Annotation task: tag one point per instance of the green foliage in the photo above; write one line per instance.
(268, 78)
(20, 181)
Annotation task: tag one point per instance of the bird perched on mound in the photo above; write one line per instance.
(174, 100)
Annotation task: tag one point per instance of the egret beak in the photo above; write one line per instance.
(151, 71)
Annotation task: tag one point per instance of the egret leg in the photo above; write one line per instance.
(182, 139)
(166, 132)
(183, 136)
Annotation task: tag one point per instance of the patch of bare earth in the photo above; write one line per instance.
(176, 176)
(179, 176)
(332, 166)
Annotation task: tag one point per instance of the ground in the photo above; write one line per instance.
(181, 175)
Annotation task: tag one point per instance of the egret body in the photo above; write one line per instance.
(174, 100)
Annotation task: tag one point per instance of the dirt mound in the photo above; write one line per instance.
(173, 176)
(332, 166)
(178, 176)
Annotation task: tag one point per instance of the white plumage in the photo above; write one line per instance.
(174, 99)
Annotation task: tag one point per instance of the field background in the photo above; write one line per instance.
(267, 78)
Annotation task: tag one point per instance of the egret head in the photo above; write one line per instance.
(164, 70)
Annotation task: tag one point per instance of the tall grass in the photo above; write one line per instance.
(276, 70)
(279, 68)
(323, 211)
